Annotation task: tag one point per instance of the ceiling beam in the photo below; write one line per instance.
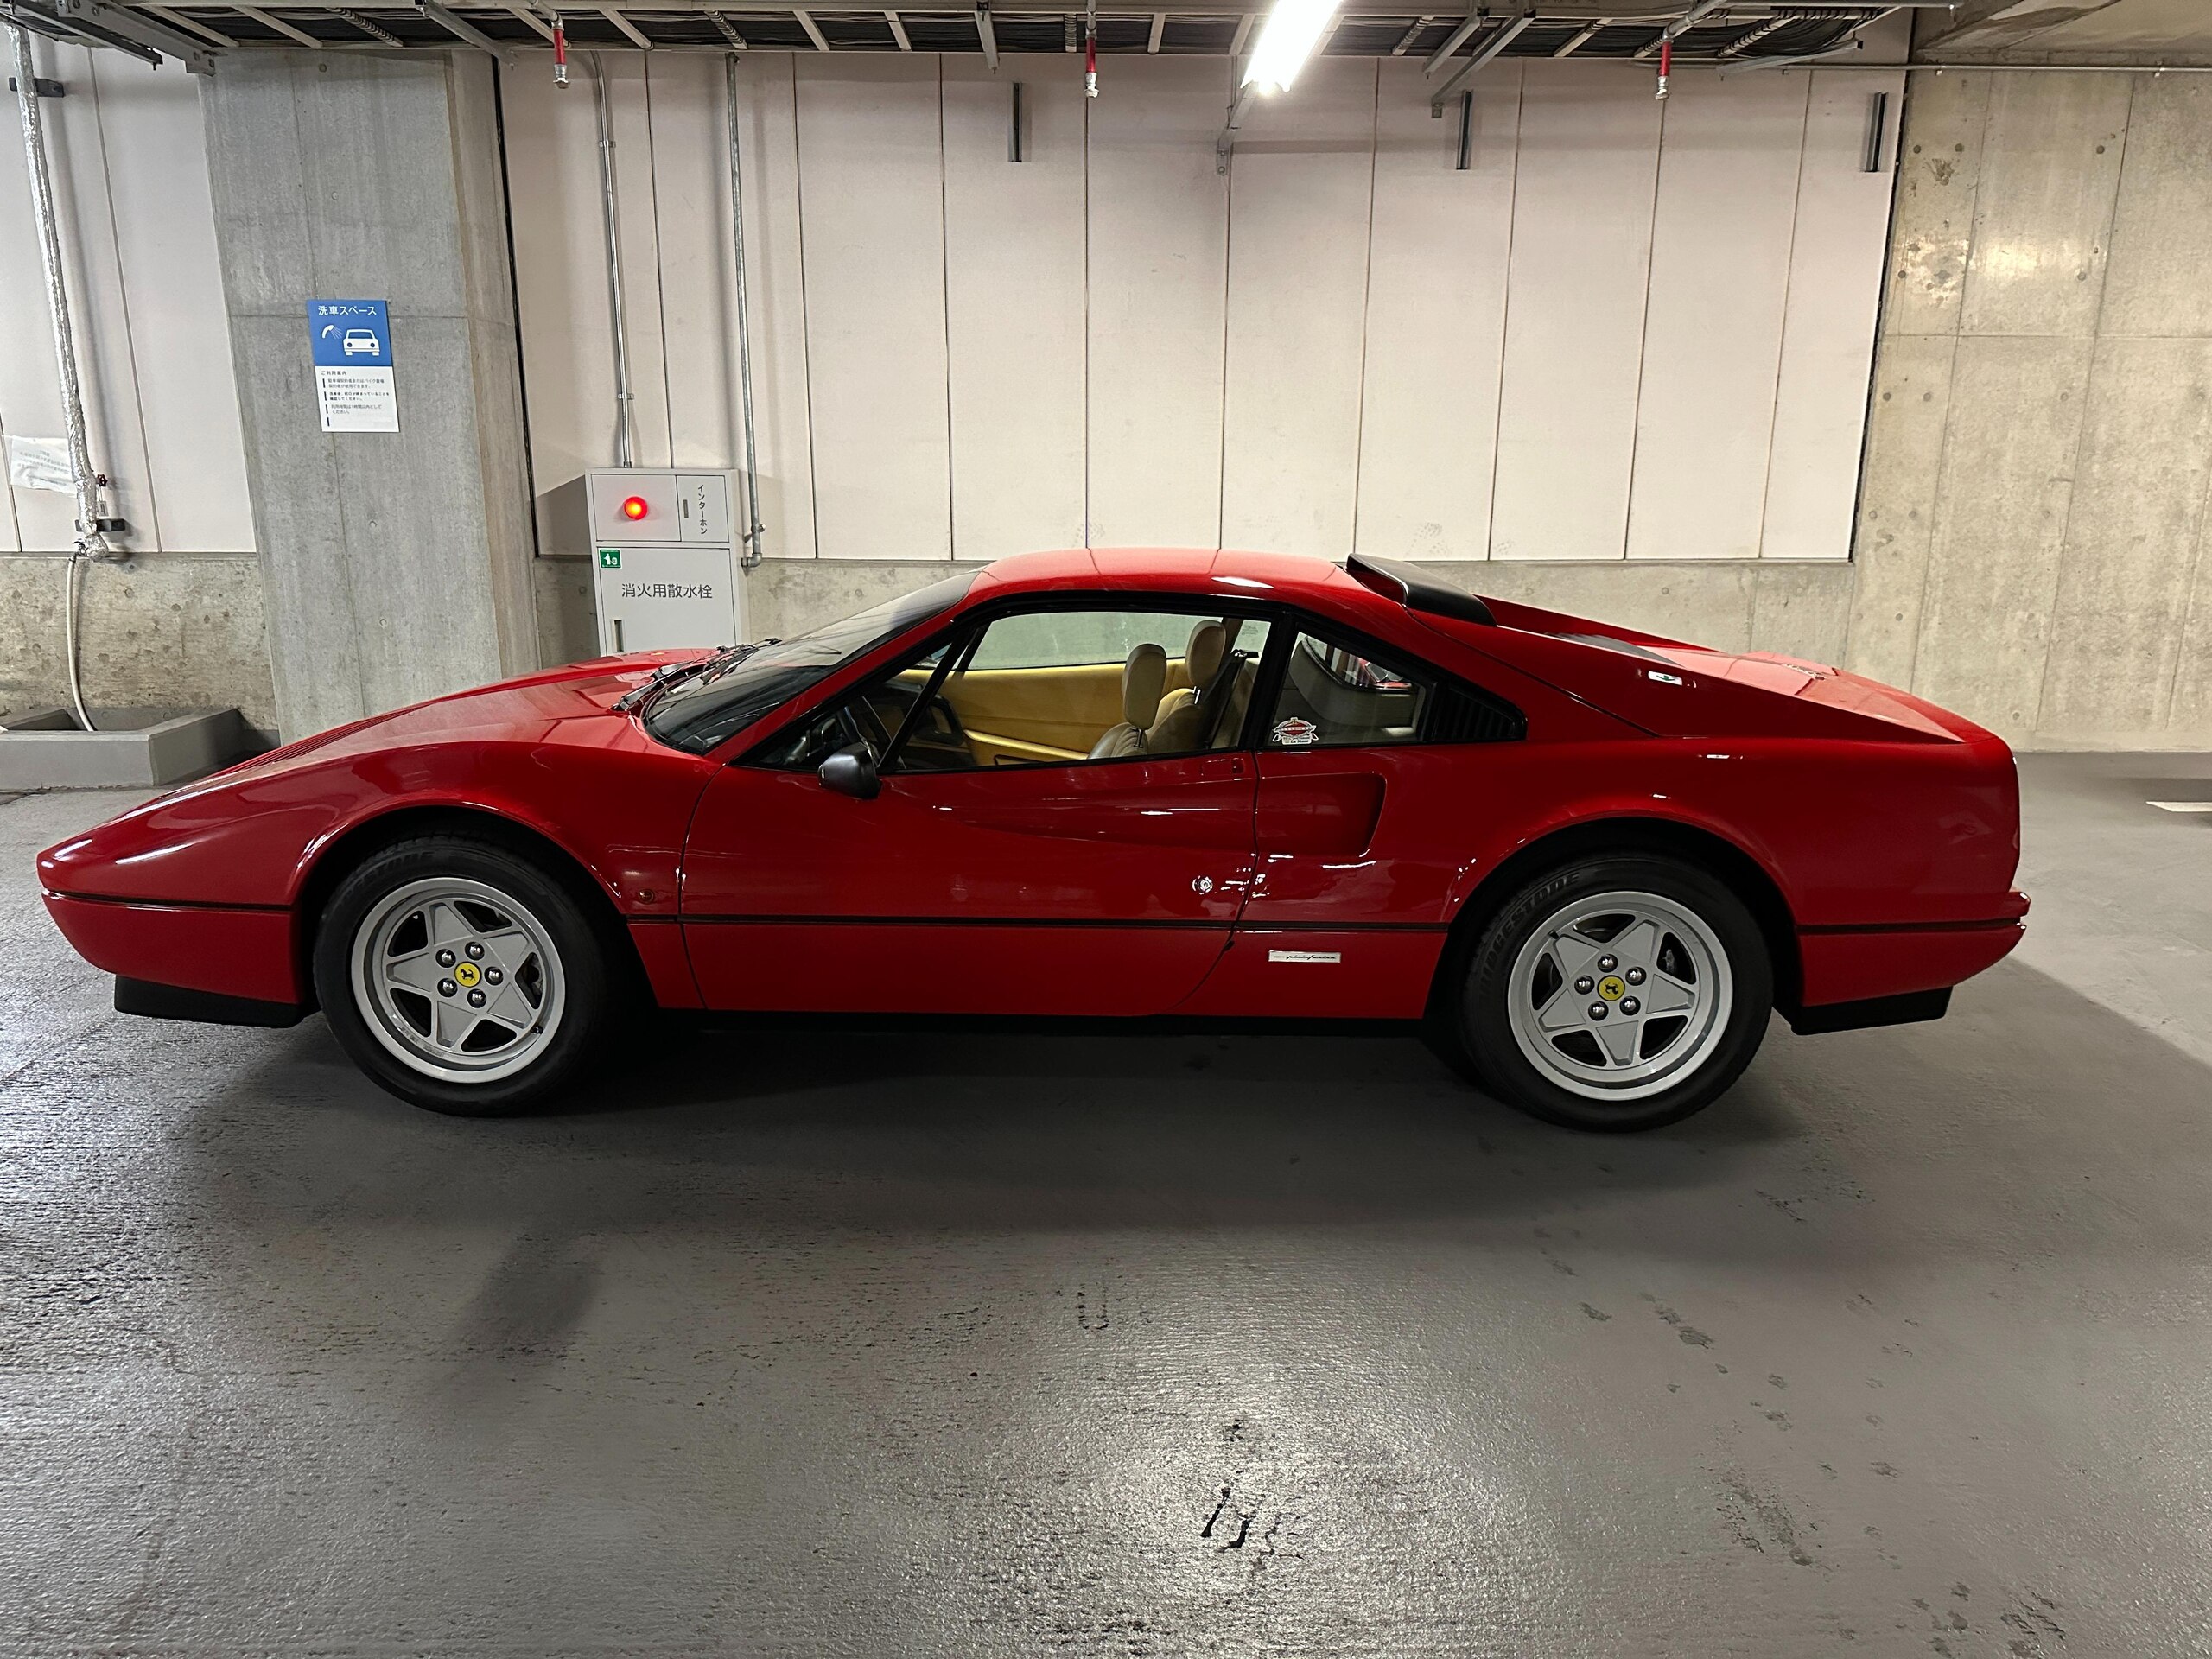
(1489, 49)
(813, 30)
(526, 15)
(1582, 39)
(193, 26)
(736, 41)
(614, 15)
(1158, 28)
(101, 20)
(459, 30)
(899, 31)
(1453, 41)
(301, 36)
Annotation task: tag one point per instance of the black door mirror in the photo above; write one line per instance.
(852, 772)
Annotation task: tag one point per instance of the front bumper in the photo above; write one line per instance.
(226, 951)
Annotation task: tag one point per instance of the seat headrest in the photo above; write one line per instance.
(1202, 657)
(1144, 676)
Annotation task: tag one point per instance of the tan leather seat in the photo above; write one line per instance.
(1181, 719)
(1143, 677)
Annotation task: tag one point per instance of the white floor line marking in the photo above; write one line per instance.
(2181, 806)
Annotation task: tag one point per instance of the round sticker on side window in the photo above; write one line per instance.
(1295, 734)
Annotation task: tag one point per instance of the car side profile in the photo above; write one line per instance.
(1130, 784)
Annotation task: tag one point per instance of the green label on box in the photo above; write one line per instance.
(610, 558)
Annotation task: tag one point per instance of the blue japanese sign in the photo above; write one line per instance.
(349, 334)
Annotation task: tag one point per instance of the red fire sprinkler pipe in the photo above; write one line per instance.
(560, 53)
(1665, 64)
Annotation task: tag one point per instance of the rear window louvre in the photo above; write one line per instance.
(1461, 713)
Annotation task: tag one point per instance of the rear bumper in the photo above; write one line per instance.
(245, 954)
(1867, 964)
(207, 1008)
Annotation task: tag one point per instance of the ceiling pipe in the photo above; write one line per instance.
(625, 449)
(753, 528)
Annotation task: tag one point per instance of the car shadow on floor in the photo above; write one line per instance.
(867, 1124)
(857, 1124)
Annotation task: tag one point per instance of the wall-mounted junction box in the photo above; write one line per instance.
(664, 560)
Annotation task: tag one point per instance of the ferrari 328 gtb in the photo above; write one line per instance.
(1128, 784)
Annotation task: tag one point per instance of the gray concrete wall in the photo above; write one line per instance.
(169, 631)
(395, 566)
(2033, 533)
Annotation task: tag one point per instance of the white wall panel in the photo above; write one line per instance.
(776, 297)
(560, 248)
(77, 156)
(637, 217)
(30, 396)
(1575, 317)
(1300, 198)
(694, 291)
(1728, 152)
(1159, 252)
(157, 161)
(872, 224)
(128, 165)
(1828, 342)
(1436, 318)
(1592, 344)
(1013, 269)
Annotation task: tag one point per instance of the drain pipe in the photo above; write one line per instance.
(91, 542)
(753, 524)
(624, 455)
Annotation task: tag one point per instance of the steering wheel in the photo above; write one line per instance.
(862, 726)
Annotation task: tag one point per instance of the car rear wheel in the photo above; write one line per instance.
(461, 976)
(1614, 994)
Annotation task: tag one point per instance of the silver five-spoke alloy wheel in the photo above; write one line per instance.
(458, 979)
(1620, 995)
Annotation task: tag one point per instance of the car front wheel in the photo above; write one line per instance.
(461, 976)
(1616, 993)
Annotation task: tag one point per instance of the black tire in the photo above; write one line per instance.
(586, 1003)
(1475, 1024)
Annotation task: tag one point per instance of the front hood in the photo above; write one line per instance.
(525, 709)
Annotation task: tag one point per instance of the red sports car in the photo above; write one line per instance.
(1144, 783)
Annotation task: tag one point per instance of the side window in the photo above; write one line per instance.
(1338, 696)
(1048, 687)
(871, 714)
(1334, 697)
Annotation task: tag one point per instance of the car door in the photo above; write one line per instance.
(1365, 779)
(999, 868)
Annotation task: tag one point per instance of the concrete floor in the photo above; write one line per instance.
(882, 1345)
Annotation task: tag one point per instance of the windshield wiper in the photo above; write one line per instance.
(670, 675)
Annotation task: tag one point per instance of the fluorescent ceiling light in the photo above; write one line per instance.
(1294, 30)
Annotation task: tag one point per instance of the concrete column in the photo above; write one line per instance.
(395, 566)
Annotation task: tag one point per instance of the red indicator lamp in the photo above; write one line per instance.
(634, 508)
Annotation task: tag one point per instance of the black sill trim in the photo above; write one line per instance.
(1986, 925)
(156, 904)
(1905, 1010)
(1224, 926)
(144, 996)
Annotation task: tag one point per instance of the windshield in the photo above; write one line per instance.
(699, 713)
